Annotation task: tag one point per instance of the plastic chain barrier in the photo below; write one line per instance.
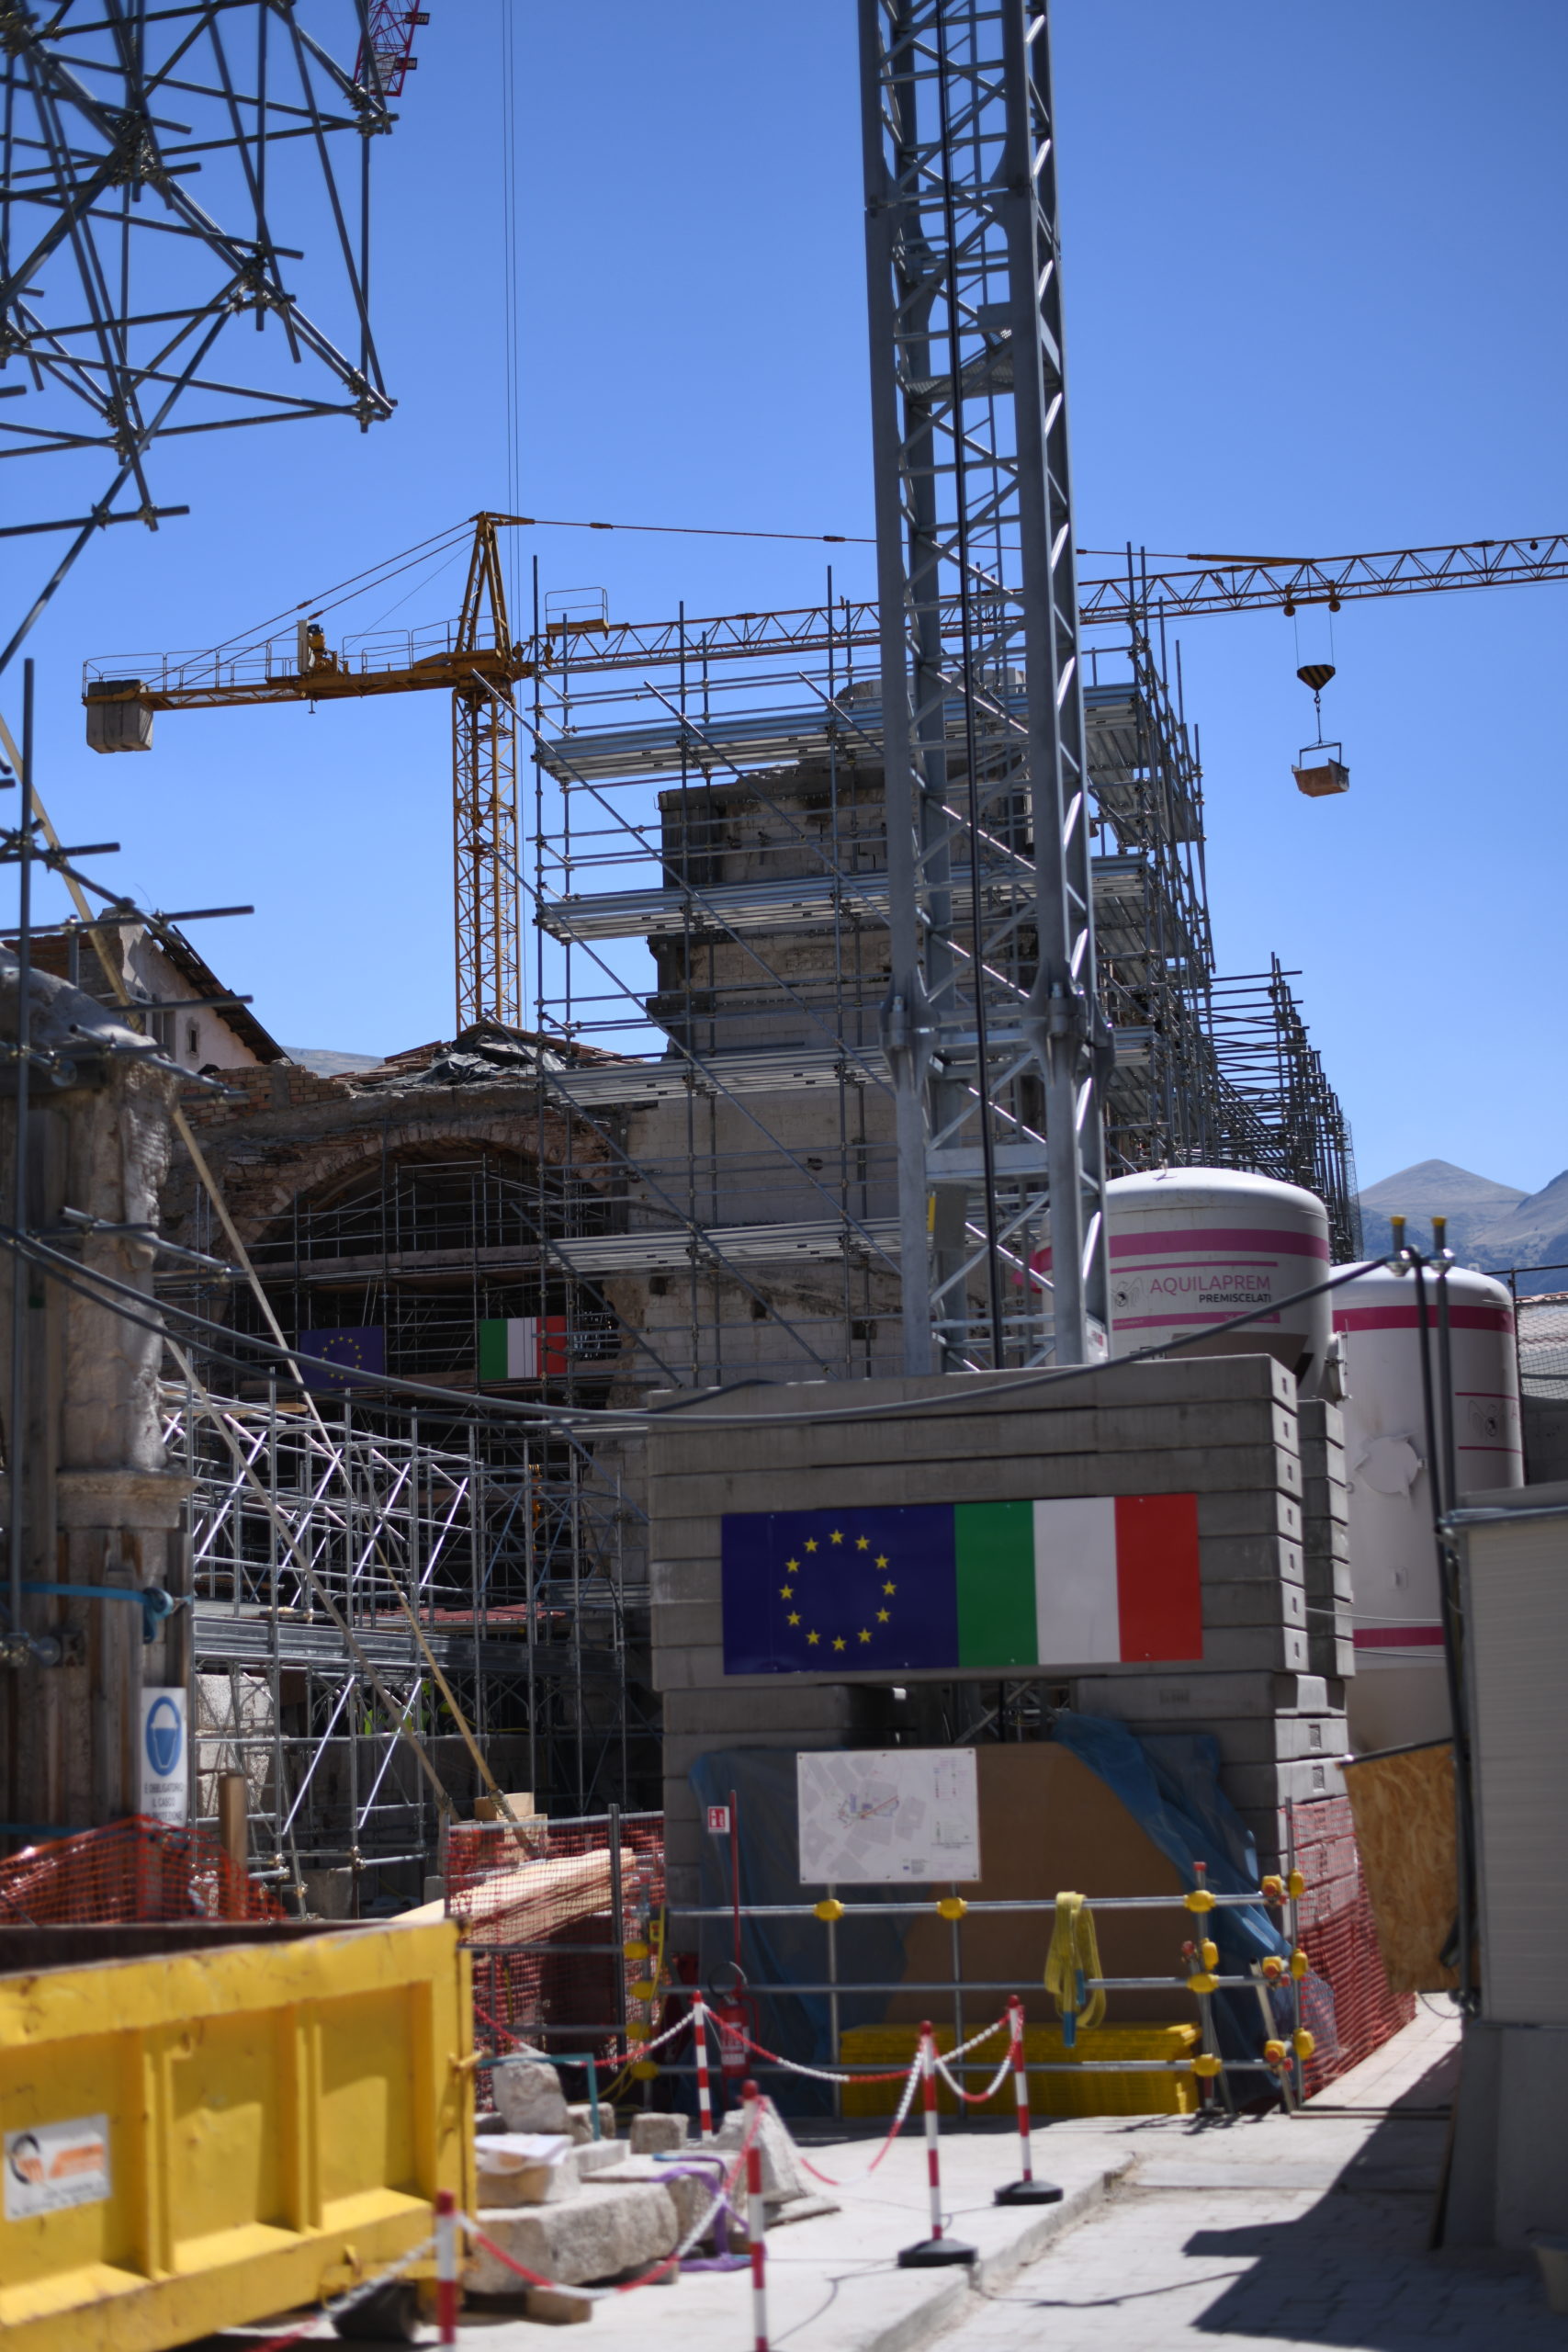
(894, 2129)
(693, 2236)
(341, 2303)
(975, 2099)
(839, 2075)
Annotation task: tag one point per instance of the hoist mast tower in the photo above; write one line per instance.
(991, 1023)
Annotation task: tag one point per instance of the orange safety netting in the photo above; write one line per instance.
(1340, 1941)
(548, 1911)
(133, 1869)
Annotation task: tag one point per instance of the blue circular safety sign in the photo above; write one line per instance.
(165, 1737)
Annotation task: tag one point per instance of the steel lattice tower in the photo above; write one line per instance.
(992, 1024)
(167, 187)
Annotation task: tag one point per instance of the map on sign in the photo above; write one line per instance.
(875, 1816)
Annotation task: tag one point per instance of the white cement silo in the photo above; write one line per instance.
(1193, 1247)
(1399, 1694)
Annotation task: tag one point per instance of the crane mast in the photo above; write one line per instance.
(484, 803)
(988, 812)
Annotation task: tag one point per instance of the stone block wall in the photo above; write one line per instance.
(1326, 1541)
(1226, 1428)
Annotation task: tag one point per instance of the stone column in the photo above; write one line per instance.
(101, 1506)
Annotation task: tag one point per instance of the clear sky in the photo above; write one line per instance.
(1314, 279)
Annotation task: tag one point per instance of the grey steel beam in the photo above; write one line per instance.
(979, 603)
(117, 282)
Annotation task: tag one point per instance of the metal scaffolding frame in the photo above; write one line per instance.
(712, 921)
(516, 1555)
(125, 280)
(992, 1021)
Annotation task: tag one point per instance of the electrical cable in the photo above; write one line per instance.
(372, 572)
(62, 1268)
(687, 530)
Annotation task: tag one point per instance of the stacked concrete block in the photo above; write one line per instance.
(1226, 1428)
(1326, 1541)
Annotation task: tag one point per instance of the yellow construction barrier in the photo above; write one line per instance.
(1078, 2092)
(202, 2138)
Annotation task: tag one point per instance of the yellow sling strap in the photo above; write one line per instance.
(1072, 1961)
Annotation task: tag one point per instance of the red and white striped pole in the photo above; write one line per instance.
(700, 2044)
(447, 2265)
(1026, 2189)
(756, 2217)
(934, 2252)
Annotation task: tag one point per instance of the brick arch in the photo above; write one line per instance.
(329, 1174)
(430, 1152)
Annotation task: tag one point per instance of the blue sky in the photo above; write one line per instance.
(1314, 263)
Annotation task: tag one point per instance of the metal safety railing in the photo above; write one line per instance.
(1282, 2055)
(616, 1952)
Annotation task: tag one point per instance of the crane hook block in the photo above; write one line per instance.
(1316, 675)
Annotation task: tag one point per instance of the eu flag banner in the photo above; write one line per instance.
(359, 1347)
(807, 1590)
(976, 1587)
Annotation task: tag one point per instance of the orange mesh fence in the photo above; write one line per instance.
(1340, 1941)
(128, 1870)
(561, 1918)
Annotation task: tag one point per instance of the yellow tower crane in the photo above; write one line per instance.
(477, 662)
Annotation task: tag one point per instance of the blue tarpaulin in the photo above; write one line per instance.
(1169, 1784)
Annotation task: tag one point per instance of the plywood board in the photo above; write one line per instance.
(1048, 1823)
(1403, 1807)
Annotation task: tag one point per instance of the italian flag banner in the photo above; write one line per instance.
(973, 1587)
(524, 1347)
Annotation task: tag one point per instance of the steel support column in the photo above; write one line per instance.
(992, 1024)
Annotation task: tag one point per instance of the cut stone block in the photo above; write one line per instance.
(524, 2168)
(529, 2095)
(1260, 1559)
(782, 2175)
(1251, 1786)
(1261, 1511)
(693, 2191)
(1282, 1647)
(594, 2235)
(593, 2156)
(556, 2307)
(656, 2135)
(1265, 1739)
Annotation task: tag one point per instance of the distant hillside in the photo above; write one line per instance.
(1491, 1225)
(327, 1064)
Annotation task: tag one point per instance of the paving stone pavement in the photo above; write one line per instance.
(1278, 2234)
(1342, 2273)
(1305, 2235)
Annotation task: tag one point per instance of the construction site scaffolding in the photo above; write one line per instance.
(710, 914)
(491, 1576)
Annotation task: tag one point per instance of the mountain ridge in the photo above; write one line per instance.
(1492, 1227)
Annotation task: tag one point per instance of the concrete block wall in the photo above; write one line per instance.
(1325, 1539)
(1226, 1428)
